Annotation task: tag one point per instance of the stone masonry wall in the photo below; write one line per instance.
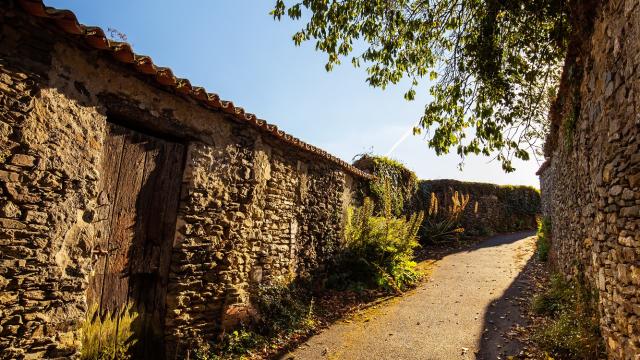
(252, 210)
(591, 182)
(253, 215)
(48, 183)
(491, 208)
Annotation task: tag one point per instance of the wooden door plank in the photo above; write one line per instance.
(143, 278)
(160, 234)
(112, 155)
(116, 279)
(175, 164)
(142, 181)
(175, 167)
(146, 208)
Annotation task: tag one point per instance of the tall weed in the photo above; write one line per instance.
(442, 223)
(543, 244)
(572, 327)
(283, 309)
(379, 249)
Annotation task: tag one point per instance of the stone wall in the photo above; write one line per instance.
(491, 208)
(591, 181)
(48, 176)
(269, 218)
(253, 210)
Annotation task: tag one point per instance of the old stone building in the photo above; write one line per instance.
(591, 181)
(120, 183)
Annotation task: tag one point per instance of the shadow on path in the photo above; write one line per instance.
(445, 317)
(505, 319)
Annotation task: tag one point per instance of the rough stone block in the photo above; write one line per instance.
(36, 217)
(11, 224)
(615, 190)
(628, 194)
(10, 210)
(631, 211)
(23, 160)
(5, 130)
(9, 176)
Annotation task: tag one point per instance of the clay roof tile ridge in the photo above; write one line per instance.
(123, 52)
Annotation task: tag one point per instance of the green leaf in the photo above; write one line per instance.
(493, 66)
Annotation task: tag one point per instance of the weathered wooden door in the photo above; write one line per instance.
(138, 202)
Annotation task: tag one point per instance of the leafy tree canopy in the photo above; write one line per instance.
(492, 65)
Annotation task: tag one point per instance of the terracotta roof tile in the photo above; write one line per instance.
(122, 51)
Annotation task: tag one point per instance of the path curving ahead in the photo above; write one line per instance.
(461, 312)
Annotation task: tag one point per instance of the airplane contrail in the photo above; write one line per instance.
(402, 139)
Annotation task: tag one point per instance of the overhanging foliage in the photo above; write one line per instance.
(493, 65)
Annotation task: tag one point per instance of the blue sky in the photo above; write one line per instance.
(235, 49)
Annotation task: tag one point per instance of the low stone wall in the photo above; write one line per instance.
(253, 210)
(491, 208)
(591, 181)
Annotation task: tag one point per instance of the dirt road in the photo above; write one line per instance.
(461, 312)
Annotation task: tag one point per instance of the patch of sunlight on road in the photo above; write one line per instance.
(524, 252)
(359, 321)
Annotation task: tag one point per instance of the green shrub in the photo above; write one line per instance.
(559, 294)
(572, 328)
(108, 335)
(235, 345)
(283, 309)
(569, 123)
(379, 250)
(442, 223)
(486, 231)
(543, 244)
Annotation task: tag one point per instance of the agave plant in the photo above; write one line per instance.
(442, 223)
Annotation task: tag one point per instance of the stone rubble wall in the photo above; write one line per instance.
(252, 210)
(491, 208)
(591, 182)
(253, 215)
(49, 152)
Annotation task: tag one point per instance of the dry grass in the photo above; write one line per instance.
(108, 335)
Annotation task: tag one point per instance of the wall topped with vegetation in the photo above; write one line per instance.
(490, 209)
(401, 182)
(454, 207)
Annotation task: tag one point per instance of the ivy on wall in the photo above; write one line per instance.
(403, 183)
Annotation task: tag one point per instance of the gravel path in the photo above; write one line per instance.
(461, 312)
